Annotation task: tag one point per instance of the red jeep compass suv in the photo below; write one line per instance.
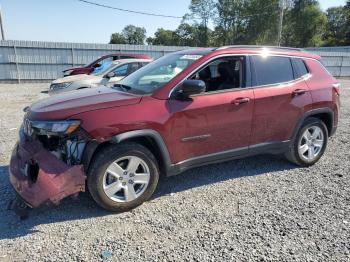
(184, 110)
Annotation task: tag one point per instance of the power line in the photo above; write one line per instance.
(129, 11)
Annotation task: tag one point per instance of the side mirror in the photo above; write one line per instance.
(110, 75)
(188, 88)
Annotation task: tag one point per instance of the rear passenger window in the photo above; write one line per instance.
(299, 67)
(272, 70)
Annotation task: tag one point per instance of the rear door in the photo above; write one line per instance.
(281, 98)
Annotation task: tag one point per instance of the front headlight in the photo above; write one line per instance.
(60, 85)
(55, 127)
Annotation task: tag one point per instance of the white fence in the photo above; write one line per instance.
(336, 59)
(31, 61)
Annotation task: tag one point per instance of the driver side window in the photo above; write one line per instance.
(121, 70)
(222, 74)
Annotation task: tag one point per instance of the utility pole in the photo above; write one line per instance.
(283, 4)
(2, 26)
(280, 24)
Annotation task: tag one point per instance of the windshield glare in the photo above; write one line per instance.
(158, 73)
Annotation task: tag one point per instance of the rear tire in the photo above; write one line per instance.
(309, 144)
(123, 176)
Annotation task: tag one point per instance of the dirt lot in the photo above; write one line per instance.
(260, 208)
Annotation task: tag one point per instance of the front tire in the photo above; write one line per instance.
(123, 176)
(309, 144)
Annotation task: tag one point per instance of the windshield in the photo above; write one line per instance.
(158, 73)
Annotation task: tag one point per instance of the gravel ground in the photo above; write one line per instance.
(260, 208)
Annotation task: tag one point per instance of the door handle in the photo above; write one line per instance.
(240, 100)
(299, 92)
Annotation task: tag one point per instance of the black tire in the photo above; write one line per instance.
(293, 154)
(107, 156)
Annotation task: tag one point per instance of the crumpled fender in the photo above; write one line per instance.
(55, 180)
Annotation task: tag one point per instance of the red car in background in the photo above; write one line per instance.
(89, 68)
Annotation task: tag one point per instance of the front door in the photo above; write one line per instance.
(217, 120)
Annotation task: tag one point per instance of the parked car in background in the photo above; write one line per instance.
(89, 68)
(109, 76)
(184, 110)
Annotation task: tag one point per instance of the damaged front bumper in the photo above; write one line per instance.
(38, 176)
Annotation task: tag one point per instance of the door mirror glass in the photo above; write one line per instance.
(188, 88)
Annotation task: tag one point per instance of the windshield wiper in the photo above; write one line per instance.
(125, 87)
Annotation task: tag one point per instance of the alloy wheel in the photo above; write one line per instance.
(126, 179)
(311, 143)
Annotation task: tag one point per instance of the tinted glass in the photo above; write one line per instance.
(272, 70)
(299, 67)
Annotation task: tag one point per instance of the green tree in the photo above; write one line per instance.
(246, 22)
(117, 38)
(305, 24)
(187, 35)
(230, 27)
(131, 34)
(337, 26)
(163, 37)
(134, 35)
(202, 11)
(262, 20)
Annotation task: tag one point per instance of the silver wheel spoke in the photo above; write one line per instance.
(316, 133)
(311, 152)
(141, 178)
(318, 143)
(115, 170)
(113, 188)
(304, 148)
(307, 135)
(129, 192)
(133, 164)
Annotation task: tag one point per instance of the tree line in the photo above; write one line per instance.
(256, 22)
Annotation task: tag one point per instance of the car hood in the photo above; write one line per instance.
(74, 78)
(66, 105)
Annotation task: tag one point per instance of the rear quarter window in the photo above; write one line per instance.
(272, 70)
(300, 68)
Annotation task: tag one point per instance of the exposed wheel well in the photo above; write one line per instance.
(325, 118)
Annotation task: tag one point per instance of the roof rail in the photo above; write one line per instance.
(259, 46)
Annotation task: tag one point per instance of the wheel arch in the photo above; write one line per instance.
(148, 138)
(324, 114)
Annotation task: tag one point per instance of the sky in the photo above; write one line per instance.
(74, 21)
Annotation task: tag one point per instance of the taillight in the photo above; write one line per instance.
(336, 88)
